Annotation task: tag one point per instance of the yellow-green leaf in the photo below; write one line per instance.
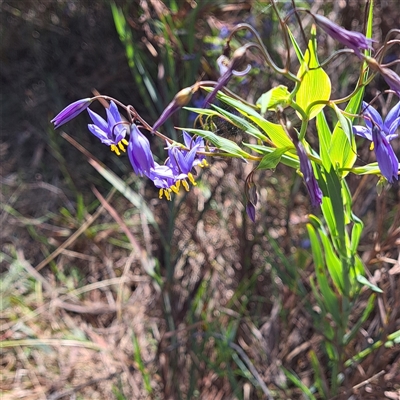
(315, 84)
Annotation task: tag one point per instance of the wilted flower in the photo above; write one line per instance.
(70, 112)
(353, 40)
(381, 133)
(111, 132)
(308, 175)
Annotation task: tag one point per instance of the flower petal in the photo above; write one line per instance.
(392, 120)
(139, 152)
(387, 160)
(100, 134)
(374, 116)
(99, 121)
(362, 131)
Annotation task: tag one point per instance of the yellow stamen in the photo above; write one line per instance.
(185, 185)
(175, 189)
(167, 193)
(121, 146)
(115, 149)
(204, 163)
(160, 194)
(372, 146)
(178, 185)
(191, 179)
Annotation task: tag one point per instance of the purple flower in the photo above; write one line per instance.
(353, 40)
(139, 153)
(308, 175)
(111, 132)
(197, 142)
(381, 133)
(181, 163)
(70, 112)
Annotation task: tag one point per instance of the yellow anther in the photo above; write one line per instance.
(185, 185)
(160, 194)
(115, 149)
(175, 189)
(204, 163)
(191, 179)
(121, 146)
(372, 146)
(167, 193)
(178, 185)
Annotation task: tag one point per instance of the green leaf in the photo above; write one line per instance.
(329, 298)
(297, 382)
(289, 159)
(333, 204)
(333, 263)
(315, 84)
(343, 145)
(325, 136)
(221, 143)
(274, 131)
(271, 160)
(278, 96)
(364, 281)
(297, 49)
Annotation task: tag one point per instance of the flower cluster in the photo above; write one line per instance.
(177, 169)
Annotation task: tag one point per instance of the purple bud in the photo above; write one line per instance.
(353, 40)
(70, 112)
(308, 175)
(251, 211)
(180, 100)
(252, 196)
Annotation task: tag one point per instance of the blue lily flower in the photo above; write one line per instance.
(111, 132)
(139, 153)
(71, 112)
(197, 142)
(181, 163)
(380, 134)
